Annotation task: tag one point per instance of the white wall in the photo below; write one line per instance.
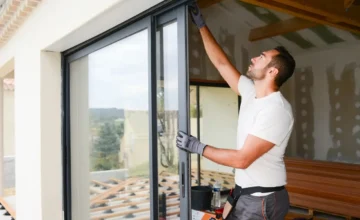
(28, 133)
(219, 122)
(38, 135)
(80, 133)
(50, 136)
(54, 26)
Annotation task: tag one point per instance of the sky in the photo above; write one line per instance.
(118, 73)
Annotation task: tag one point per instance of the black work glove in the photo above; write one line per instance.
(189, 143)
(196, 15)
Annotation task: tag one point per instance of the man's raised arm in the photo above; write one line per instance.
(216, 54)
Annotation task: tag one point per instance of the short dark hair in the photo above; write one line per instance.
(285, 64)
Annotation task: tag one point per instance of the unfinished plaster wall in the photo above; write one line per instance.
(327, 98)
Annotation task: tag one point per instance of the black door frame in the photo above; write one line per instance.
(150, 19)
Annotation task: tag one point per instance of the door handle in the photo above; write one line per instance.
(183, 179)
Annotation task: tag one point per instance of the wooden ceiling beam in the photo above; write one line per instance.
(348, 3)
(207, 3)
(279, 28)
(325, 12)
(333, 10)
(300, 12)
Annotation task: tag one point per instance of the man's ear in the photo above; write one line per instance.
(273, 71)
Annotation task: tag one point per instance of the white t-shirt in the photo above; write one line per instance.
(269, 118)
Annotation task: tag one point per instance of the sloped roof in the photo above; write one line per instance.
(12, 15)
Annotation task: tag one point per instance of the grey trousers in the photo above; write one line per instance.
(271, 207)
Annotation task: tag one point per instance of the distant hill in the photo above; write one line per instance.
(105, 114)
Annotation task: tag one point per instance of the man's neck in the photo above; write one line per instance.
(263, 89)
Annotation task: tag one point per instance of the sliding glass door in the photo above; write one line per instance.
(172, 113)
(109, 121)
(125, 98)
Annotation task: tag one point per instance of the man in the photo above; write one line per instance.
(264, 126)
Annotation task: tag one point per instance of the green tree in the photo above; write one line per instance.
(106, 148)
(193, 111)
(119, 127)
(166, 132)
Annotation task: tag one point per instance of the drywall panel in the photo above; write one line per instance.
(327, 105)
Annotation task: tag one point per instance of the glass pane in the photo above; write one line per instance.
(194, 132)
(167, 104)
(110, 131)
(218, 126)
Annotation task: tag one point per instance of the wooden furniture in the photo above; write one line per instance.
(324, 187)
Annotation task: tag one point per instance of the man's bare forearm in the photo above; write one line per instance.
(212, 48)
(226, 157)
(219, 59)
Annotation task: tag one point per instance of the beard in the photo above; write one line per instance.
(254, 74)
(250, 74)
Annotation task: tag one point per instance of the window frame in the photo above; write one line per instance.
(149, 19)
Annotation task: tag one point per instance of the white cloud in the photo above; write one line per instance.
(118, 73)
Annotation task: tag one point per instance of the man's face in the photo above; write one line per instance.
(259, 65)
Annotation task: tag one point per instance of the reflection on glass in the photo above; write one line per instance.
(167, 117)
(218, 126)
(110, 131)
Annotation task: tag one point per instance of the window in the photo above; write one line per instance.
(124, 102)
(214, 118)
(110, 130)
(167, 117)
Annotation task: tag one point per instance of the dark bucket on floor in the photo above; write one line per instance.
(201, 197)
